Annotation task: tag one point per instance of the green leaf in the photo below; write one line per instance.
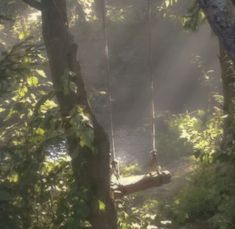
(40, 131)
(22, 35)
(22, 91)
(2, 109)
(41, 73)
(102, 206)
(49, 104)
(32, 81)
(14, 178)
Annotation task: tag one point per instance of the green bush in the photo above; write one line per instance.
(208, 197)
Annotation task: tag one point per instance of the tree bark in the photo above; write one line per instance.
(90, 165)
(228, 82)
(221, 17)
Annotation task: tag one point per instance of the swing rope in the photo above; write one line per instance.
(150, 67)
(114, 164)
(108, 77)
(144, 182)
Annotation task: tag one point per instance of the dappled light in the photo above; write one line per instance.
(117, 114)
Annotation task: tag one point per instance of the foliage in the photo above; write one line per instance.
(130, 216)
(37, 188)
(189, 133)
(129, 170)
(201, 131)
(194, 17)
(191, 19)
(16, 64)
(167, 3)
(170, 145)
(23, 132)
(37, 185)
(208, 197)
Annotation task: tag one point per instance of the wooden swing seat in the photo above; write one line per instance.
(133, 184)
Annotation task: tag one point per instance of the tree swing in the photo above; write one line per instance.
(155, 176)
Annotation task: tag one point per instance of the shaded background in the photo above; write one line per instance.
(178, 58)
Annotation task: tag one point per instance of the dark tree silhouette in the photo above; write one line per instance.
(90, 163)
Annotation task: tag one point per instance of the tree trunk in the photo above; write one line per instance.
(221, 17)
(90, 162)
(228, 83)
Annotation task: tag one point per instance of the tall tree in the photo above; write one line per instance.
(87, 142)
(228, 80)
(221, 17)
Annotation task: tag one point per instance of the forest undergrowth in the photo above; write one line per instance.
(200, 194)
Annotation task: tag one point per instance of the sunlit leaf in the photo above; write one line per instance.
(40, 131)
(102, 206)
(49, 104)
(14, 178)
(22, 91)
(33, 81)
(41, 73)
(22, 35)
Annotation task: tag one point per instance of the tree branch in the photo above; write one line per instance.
(34, 3)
